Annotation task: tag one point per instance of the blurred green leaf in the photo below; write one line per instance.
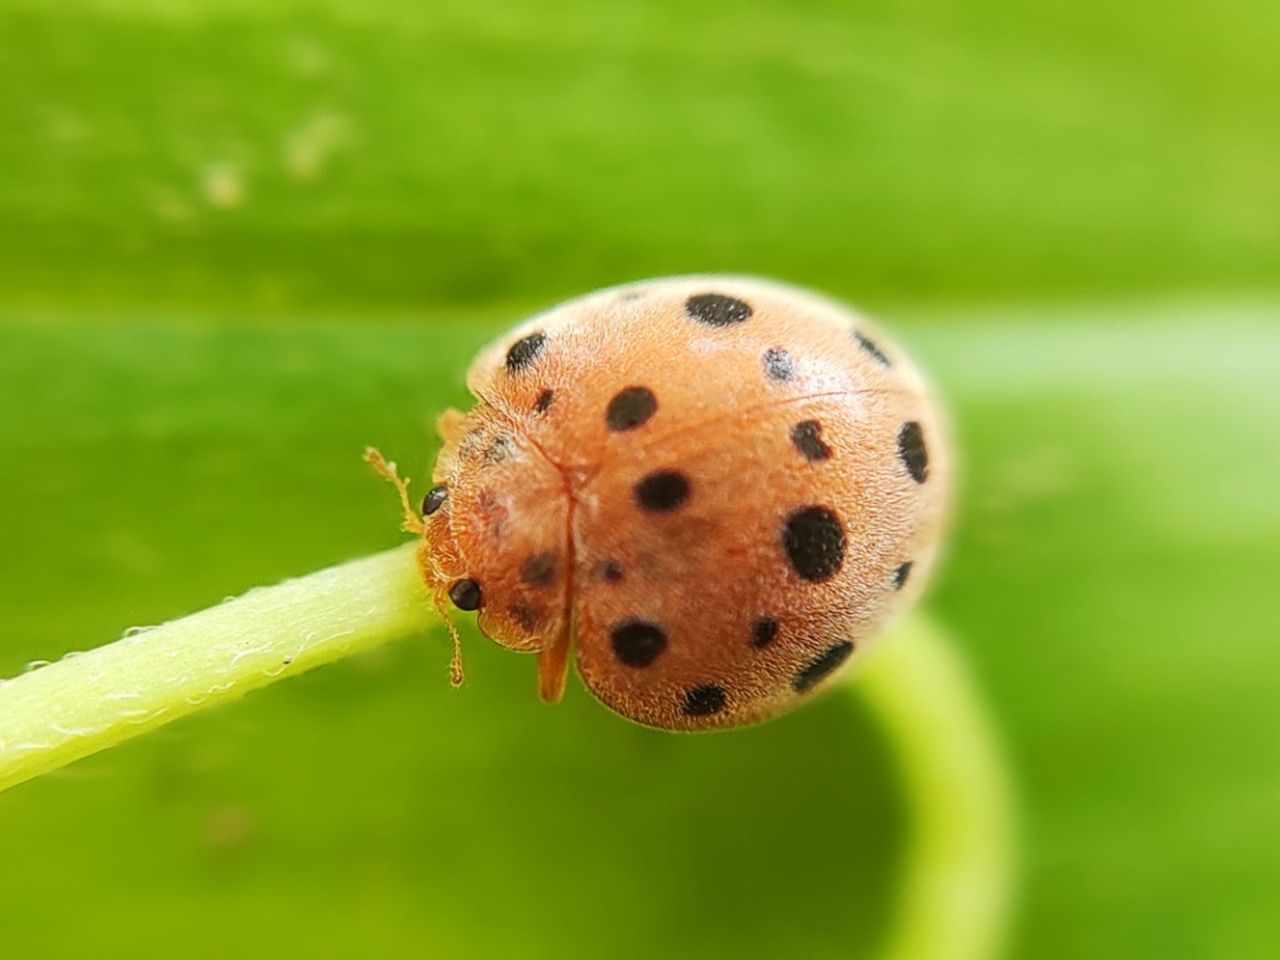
(286, 153)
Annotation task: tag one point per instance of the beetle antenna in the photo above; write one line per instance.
(455, 664)
(387, 470)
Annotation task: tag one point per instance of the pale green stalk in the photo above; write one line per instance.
(953, 900)
(955, 892)
(86, 703)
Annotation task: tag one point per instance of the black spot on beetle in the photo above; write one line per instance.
(817, 668)
(630, 408)
(814, 541)
(912, 451)
(704, 700)
(778, 365)
(900, 575)
(807, 437)
(465, 595)
(717, 310)
(524, 351)
(539, 570)
(524, 615)
(611, 571)
(434, 499)
(764, 632)
(869, 345)
(662, 491)
(543, 403)
(637, 643)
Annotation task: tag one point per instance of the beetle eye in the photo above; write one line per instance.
(465, 595)
(434, 499)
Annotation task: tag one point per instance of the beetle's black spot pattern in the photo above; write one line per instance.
(778, 365)
(539, 570)
(704, 700)
(869, 345)
(434, 499)
(630, 408)
(807, 437)
(465, 595)
(900, 575)
(543, 403)
(524, 615)
(662, 491)
(524, 351)
(764, 632)
(717, 310)
(912, 451)
(814, 541)
(821, 665)
(611, 571)
(637, 643)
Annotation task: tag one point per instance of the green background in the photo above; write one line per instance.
(238, 241)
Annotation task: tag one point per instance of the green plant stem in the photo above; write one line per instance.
(956, 887)
(954, 895)
(86, 703)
